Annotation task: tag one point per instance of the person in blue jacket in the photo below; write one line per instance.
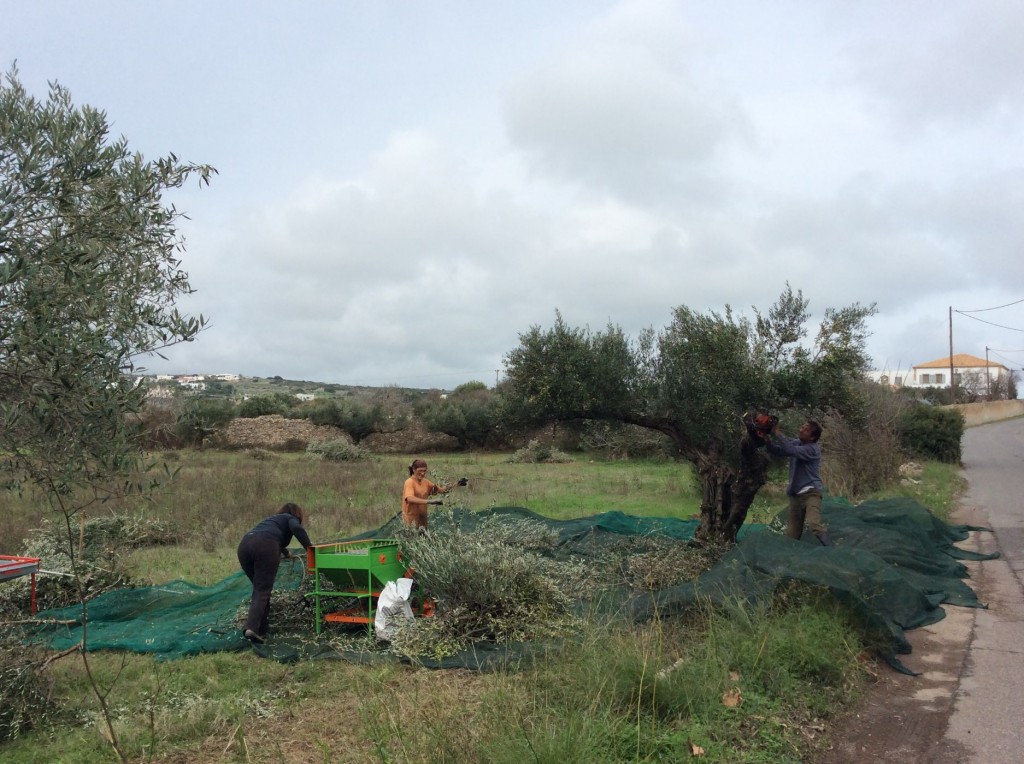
(259, 554)
(805, 487)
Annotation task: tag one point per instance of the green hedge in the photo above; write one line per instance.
(929, 432)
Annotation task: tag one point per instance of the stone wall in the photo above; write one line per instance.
(275, 433)
(415, 439)
(989, 411)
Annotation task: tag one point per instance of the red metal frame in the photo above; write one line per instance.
(13, 567)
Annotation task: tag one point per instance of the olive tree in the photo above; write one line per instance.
(697, 381)
(467, 414)
(359, 419)
(265, 405)
(89, 276)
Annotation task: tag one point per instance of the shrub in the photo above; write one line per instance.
(338, 450)
(24, 690)
(929, 432)
(201, 417)
(354, 417)
(158, 425)
(864, 455)
(536, 452)
(469, 414)
(320, 412)
(262, 405)
(624, 441)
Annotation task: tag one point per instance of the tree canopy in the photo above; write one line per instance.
(467, 414)
(694, 381)
(89, 276)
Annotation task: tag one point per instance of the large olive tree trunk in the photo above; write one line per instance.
(726, 491)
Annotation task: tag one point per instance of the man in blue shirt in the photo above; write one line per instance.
(805, 487)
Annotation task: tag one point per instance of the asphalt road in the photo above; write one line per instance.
(964, 704)
(987, 723)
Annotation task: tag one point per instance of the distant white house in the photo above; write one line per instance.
(969, 371)
(892, 377)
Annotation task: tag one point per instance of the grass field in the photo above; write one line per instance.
(216, 496)
(615, 693)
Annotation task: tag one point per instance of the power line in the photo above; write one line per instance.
(952, 370)
(990, 323)
(1008, 360)
(997, 307)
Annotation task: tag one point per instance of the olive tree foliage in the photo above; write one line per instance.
(265, 405)
(468, 413)
(89, 275)
(695, 381)
(199, 418)
(360, 419)
(356, 418)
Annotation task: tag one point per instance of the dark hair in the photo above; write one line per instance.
(416, 464)
(294, 510)
(815, 429)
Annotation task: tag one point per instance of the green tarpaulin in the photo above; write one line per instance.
(894, 564)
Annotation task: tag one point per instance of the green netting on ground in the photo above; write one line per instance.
(894, 564)
(171, 620)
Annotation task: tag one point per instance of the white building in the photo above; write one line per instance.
(969, 371)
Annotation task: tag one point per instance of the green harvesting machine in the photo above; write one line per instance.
(355, 572)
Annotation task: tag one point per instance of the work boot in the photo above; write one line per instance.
(253, 637)
(824, 539)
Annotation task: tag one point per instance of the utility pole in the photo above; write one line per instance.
(952, 380)
(988, 377)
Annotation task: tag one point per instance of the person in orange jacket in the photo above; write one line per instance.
(416, 495)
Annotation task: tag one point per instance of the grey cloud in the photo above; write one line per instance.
(632, 184)
(958, 63)
(624, 110)
(875, 241)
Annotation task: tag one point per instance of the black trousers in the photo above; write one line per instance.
(259, 555)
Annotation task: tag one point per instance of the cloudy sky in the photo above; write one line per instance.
(405, 187)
